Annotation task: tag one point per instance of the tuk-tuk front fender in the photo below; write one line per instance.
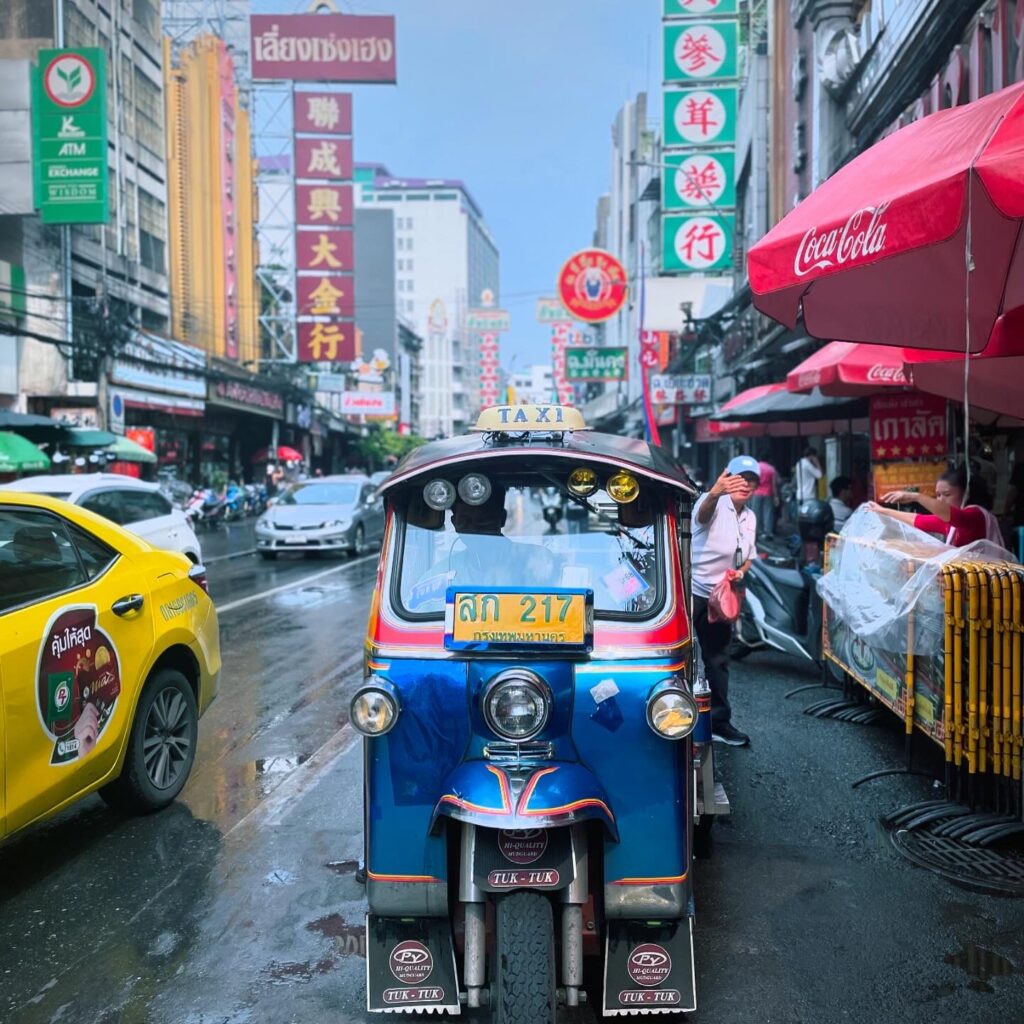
(539, 796)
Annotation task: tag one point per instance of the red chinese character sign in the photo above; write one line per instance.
(325, 251)
(704, 51)
(704, 180)
(698, 8)
(907, 426)
(326, 295)
(593, 285)
(323, 206)
(698, 243)
(490, 322)
(326, 341)
(317, 112)
(560, 336)
(701, 117)
(323, 158)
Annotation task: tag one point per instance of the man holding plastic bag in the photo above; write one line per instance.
(724, 531)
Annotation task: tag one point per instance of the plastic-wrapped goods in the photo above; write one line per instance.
(884, 582)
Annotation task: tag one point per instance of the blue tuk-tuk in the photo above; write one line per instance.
(537, 764)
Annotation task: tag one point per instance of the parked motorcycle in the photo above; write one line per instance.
(255, 500)
(781, 608)
(205, 508)
(234, 502)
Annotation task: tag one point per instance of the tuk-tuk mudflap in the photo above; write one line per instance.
(410, 965)
(649, 969)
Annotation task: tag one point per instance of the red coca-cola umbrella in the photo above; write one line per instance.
(848, 369)
(916, 242)
(284, 454)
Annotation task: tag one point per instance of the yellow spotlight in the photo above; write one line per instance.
(623, 488)
(582, 482)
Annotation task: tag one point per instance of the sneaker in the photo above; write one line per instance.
(728, 733)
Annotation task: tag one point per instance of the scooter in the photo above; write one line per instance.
(551, 507)
(781, 608)
(205, 508)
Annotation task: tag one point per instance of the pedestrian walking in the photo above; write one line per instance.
(724, 531)
(807, 473)
(765, 502)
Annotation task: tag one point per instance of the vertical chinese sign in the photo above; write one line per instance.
(323, 48)
(489, 323)
(701, 40)
(324, 233)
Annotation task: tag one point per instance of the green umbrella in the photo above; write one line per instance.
(124, 449)
(86, 437)
(20, 456)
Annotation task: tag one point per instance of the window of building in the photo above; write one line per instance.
(152, 231)
(78, 30)
(440, 196)
(408, 264)
(149, 114)
(146, 14)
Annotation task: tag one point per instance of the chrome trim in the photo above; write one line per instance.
(639, 653)
(659, 901)
(521, 676)
(508, 752)
(376, 684)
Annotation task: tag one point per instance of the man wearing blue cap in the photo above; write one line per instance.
(724, 532)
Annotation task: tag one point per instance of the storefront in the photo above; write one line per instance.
(240, 421)
(157, 396)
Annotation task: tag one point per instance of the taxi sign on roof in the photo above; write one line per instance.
(518, 418)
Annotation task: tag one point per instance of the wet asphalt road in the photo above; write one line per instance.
(238, 904)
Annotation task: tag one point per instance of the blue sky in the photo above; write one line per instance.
(516, 99)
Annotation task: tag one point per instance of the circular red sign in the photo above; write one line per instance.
(411, 962)
(649, 965)
(593, 285)
(69, 80)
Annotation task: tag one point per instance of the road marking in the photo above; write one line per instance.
(224, 558)
(270, 811)
(242, 601)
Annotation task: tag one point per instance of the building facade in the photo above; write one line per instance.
(445, 258)
(211, 192)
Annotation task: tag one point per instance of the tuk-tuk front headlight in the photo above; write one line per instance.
(671, 710)
(516, 704)
(374, 709)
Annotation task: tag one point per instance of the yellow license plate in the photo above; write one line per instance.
(480, 619)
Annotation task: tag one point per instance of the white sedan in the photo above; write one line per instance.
(134, 504)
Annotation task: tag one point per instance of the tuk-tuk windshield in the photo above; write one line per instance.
(530, 537)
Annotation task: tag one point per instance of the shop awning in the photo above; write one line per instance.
(779, 405)
(850, 369)
(18, 455)
(127, 450)
(35, 428)
(83, 437)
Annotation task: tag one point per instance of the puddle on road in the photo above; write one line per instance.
(982, 964)
(349, 939)
(285, 974)
(279, 765)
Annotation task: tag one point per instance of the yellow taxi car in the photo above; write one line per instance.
(109, 654)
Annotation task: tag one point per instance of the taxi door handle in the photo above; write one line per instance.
(130, 603)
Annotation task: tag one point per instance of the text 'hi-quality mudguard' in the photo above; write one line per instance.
(506, 797)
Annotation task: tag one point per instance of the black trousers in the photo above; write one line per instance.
(714, 639)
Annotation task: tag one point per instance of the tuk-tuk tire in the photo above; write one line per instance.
(524, 962)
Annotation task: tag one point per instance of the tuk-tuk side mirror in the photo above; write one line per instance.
(637, 513)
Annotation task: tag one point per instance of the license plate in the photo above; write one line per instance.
(299, 539)
(503, 617)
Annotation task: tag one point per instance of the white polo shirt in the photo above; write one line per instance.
(714, 544)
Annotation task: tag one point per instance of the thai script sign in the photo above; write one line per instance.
(488, 320)
(235, 392)
(323, 47)
(907, 426)
(551, 311)
(681, 388)
(593, 364)
(69, 108)
(368, 403)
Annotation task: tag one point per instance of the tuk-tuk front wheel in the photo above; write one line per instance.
(523, 989)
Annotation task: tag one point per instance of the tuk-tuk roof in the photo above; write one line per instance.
(636, 456)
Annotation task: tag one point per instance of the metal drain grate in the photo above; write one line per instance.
(977, 867)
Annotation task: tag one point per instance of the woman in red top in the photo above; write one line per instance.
(957, 523)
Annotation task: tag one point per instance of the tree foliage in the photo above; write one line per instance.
(384, 446)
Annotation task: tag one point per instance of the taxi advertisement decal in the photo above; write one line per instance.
(78, 681)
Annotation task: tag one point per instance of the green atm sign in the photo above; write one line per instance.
(69, 119)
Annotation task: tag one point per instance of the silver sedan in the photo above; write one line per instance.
(331, 513)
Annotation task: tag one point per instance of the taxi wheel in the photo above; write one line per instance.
(524, 960)
(161, 748)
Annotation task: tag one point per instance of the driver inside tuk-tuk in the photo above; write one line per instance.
(482, 554)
